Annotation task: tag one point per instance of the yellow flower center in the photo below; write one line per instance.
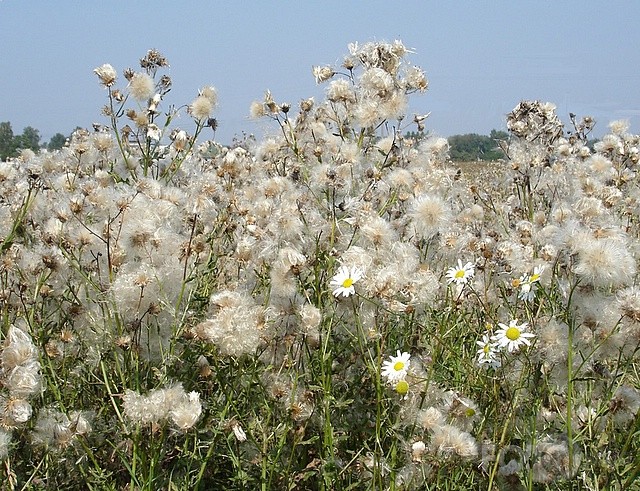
(399, 365)
(460, 274)
(347, 283)
(516, 282)
(534, 277)
(402, 387)
(470, 412)
(486, 348)
(513, 333)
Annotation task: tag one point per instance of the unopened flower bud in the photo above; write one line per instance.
(402, 387)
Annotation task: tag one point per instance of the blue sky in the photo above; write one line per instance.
(481, 58)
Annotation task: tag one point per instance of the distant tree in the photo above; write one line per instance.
(57, 142)
(30, 138)
(7, 141)
(472, 146)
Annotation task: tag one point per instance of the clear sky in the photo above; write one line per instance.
(481, 57)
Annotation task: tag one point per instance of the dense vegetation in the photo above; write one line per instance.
(11, 145)
(472, 147)
(335, 306)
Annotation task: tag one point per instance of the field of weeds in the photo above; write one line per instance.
(332, 307)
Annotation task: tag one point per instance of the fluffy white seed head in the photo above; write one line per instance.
(142, 87)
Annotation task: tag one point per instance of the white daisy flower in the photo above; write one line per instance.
(487, 352)
(460, 275)
(395, 369)
(528, 284)
(512, 336)
(343, 281)
(535, 276)
(527, 291)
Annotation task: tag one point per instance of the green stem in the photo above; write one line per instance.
(571, 327)
(173, 169)
(114, 126)
(503, 436)
(327, 433)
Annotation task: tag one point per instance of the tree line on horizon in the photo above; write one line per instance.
(462, 147)
(473, 146)
(11, 144)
